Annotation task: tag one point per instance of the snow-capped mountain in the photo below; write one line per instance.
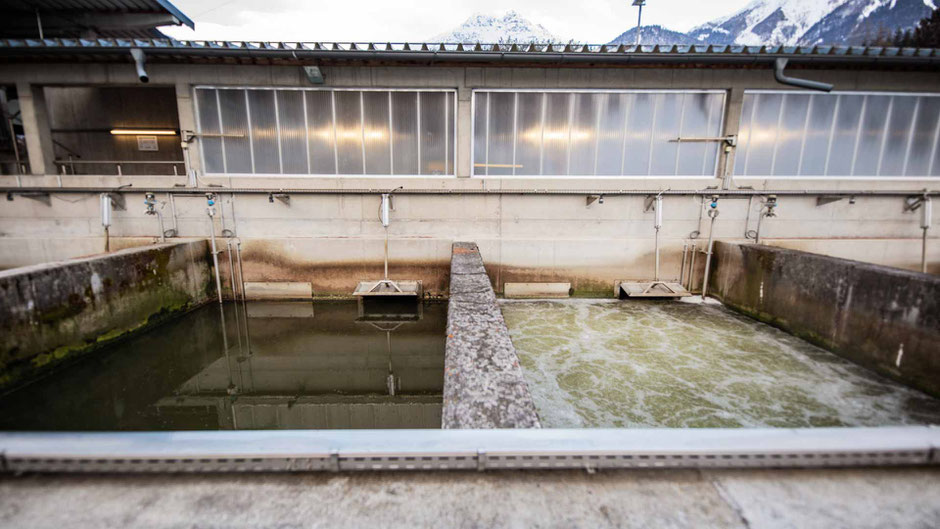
(654, 35)
(809, 22)
(511, 27)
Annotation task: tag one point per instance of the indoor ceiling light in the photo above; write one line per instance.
(140, 132)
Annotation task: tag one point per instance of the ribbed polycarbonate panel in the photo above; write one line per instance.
(375, 107)
(596, 133)
(264, 131)
(499, 139)
(320, 132)
(314, 131)
(349, 132)
(405, 132)
(433, 136)
(291, 119)
(864, 135)
(236, 142)
(208, 116)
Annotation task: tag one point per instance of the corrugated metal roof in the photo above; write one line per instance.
(438, 52)
(73, 18)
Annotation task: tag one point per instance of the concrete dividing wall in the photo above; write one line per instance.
(885, 319)
(54, 312)
(483, 382)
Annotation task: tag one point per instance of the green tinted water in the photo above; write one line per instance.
(593, 363)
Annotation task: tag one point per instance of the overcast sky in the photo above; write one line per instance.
(592, 21)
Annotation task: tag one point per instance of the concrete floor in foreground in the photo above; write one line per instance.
(827, 498)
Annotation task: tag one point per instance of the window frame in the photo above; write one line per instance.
(450, 126)
(721, 128)
(879, 178)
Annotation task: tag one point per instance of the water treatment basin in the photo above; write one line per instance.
(646, 363)
(283, 365)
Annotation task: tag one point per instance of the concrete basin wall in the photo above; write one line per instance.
(483, 382)
(885, 319)
(54, 312)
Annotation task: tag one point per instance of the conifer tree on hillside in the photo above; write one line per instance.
(925, 35)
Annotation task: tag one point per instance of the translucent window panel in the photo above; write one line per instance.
(764, 121)
(555, 134)
(480, 115)
(701, 118)
(637, 143)
(925, 139)
(815, 146)
(321, 130)
(432, 134)
(349, 132)
(583, 134)
(499, 155)
(236, 144)
(375, 133)
(292, 121)
(898, 135)
(208, 117)
(404, 132)
(786, 157)
(612, 113)
(871, 135)
(528, 144)
(744, 134)
(451, 122)
(264, 133)
(844, 135)
(668, 119)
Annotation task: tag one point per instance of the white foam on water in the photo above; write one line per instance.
(610, 363)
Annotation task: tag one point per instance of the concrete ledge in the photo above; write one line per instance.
(53, 312)
(885, 319)
(536, 290)
(483, 382)
(278, 290)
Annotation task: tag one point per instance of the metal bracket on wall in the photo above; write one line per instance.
(822, 200)
(283, 197)
(38, 196)
(913, 202)
(590, 199)
(117, 201)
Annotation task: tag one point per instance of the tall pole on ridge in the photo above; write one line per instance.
(639, 18)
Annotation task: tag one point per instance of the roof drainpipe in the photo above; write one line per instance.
(138, 55)
(781, 78)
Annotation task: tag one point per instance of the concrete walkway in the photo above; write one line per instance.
(805, 499)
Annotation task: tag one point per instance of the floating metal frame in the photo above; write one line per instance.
(541, 449)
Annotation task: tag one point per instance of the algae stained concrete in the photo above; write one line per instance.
(885, 319)
(54, 312)
(754, 499)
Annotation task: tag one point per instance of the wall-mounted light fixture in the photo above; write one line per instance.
(314, 74)
(139, 132)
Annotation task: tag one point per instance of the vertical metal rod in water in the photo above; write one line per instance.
(925, 221)
(241, 280)
(685, 255)
(713, 213)
(384, 216)
(658, 223)
(760, 216)
(210, 210)
(691, 266)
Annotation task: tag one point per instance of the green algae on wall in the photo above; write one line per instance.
(55, 312)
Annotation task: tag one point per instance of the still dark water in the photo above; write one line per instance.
(285, 365)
